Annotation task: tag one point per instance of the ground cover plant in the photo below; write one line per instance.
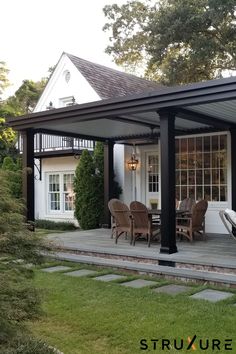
(83, 315)
(55, 225)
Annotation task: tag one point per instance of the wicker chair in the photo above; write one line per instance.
(194, 222)
(142, 224)
(187, 204)
(113, 220)
(123, 220)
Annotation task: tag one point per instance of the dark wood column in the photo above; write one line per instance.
(233, 167)
(167, 147)
(108, 179)
(28, 172)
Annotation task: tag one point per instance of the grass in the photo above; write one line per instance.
(82, 315)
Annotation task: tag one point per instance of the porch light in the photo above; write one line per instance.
(132, 163)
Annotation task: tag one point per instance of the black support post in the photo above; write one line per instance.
(28, 173)
(167, 147)
(233, 167)
(108, 179)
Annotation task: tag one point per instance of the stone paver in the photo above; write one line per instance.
(109, 277)
(172, 289)
(81, 273)
(212, 295)
(139, 283)
(55, 269)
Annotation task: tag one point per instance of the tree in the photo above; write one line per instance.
(7, 141)
(22, 102)
(89, 188)
(14, 171)
(27, 95)
(87, 209)
(177, 41)
(3, 76)
(19, 300)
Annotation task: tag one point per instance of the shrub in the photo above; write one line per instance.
(19, 300)
(54, 225)
(14, 175)
(89, 188)
(87, 210)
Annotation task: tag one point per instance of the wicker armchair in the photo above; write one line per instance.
(113, 220)
(194, 222)
(187, 204)
(123, 221)
(142, 224)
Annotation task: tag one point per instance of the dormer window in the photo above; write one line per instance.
(67, 101)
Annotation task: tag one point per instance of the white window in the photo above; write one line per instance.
(201, 168)
(153, 173)
(67, 101)
(60, 192)
(54, 192)
(68, 193)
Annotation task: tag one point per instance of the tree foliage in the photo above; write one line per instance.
(3, 77)
(22, 102)
(86, 199)
(177, 41)
(14, 171)
(7, 141)
(26, 97)
(19, 300)
(89, 188)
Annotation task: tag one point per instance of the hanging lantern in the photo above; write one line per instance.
(132, 163)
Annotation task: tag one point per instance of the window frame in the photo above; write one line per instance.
(227, 168)
(62, 193)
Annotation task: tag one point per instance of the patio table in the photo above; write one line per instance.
(155, 214)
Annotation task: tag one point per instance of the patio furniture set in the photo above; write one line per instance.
(138, 221)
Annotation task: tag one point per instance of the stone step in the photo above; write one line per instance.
(185, 259)
(152, 269)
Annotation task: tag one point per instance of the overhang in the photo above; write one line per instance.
(198, 107)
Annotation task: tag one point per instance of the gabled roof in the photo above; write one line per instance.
(110, 83)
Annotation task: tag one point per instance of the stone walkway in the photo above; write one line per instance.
(170, 289)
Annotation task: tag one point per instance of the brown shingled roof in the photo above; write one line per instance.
(109, 82)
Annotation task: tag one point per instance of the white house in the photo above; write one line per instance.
(203, 168)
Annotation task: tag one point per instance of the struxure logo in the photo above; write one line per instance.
(192, 343)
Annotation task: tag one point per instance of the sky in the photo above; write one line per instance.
(36, 32)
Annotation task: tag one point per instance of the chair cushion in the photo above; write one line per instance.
(231, 216)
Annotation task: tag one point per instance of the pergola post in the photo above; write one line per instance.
(28, 172)
(167, 147)
(233, 168)
(108, 179)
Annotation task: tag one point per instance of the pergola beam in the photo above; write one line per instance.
(203, 119)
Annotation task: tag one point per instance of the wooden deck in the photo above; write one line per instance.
(216, 254)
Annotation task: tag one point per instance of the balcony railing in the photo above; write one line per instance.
(45, 143)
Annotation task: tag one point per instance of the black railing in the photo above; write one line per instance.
(49, 143)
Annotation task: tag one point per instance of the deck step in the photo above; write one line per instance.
(152, 269)
(178, 260)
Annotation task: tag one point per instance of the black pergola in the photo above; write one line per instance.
(197, 108)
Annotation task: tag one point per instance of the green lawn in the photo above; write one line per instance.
(82, 315)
